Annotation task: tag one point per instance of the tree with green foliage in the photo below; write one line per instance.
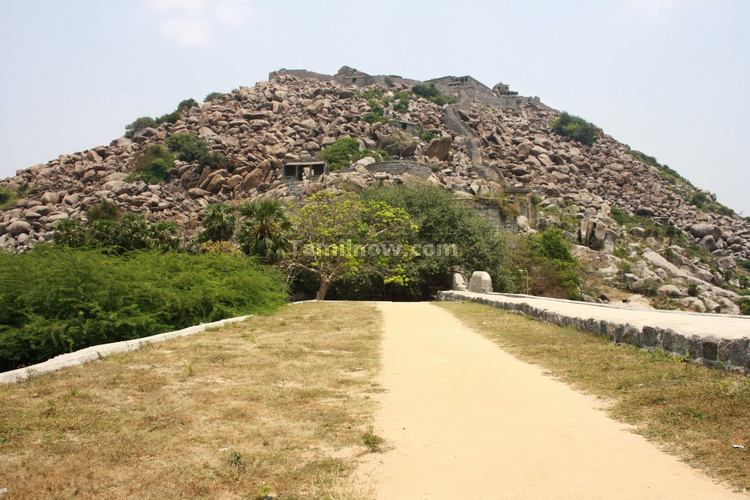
(219, 223)
(576, 128)
(469, 242)
(343, 235)
(264, 230)
(152, 166)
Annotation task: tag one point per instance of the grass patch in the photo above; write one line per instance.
(372, 441)
(695, 412)
(276, 404)
(7, 198)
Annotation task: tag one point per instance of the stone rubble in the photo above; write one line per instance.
(487, 143)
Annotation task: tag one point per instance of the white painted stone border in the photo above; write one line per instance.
(103, 350)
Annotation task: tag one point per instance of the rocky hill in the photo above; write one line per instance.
(482, 143)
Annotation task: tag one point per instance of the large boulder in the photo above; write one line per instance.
(459, 282)
(18, 227)
(439, 148)
(703, 229)
(480, 282)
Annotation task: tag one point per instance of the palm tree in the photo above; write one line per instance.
(264, 230)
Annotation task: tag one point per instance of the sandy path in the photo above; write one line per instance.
(467, 420)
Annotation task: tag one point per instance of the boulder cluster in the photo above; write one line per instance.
(484, 143)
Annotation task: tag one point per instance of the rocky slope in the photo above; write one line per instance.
(486, 143)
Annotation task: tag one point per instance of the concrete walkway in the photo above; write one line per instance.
(464, 419)
(705, 325)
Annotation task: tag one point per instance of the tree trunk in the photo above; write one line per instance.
(323, 290)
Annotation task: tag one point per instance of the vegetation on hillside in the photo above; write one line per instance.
(345, 151)
(59, 299)
(7, 198)
(576, 128)
(147, 122)
(432, 94)
(545, 265)
(152, 166)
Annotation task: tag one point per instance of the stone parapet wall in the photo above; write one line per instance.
(728, 354)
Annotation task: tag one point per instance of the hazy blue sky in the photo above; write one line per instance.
(669, 77)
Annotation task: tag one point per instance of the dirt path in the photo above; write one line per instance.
(464, 419)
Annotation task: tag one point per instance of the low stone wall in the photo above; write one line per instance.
(103, 350)
(728, 354)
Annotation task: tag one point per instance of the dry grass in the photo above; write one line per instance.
(696, 412)
(275, 405)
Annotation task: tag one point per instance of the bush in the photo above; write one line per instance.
(576, 128)
(745, 307)
(620, 216)
(58, 300)
(344, 152)
(118, 235)
(192, 149)
(433, 94)
(401, 102)
(104, 210)
(213, 96)
(148, 122)
(219, 223)
(545, 259)
(139, 124)
(152, 166)
(70, 233)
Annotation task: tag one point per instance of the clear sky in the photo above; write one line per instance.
(668, 77)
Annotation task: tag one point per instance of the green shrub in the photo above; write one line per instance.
(401, 101)
(175, 115)
(433, 94)
(139, 124)
(219, 223)
(104, 210)
(545, 258)
(620, 216)
(8, 198)
(70, 233)
(213, 96)
(470, 242)
(192, 149)
(153, 165)
(576, 128)
(425, 135)
(693, 290)
(745, 307)
(345, 151)
(58, 299)
(148, 122)
(118, 235)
